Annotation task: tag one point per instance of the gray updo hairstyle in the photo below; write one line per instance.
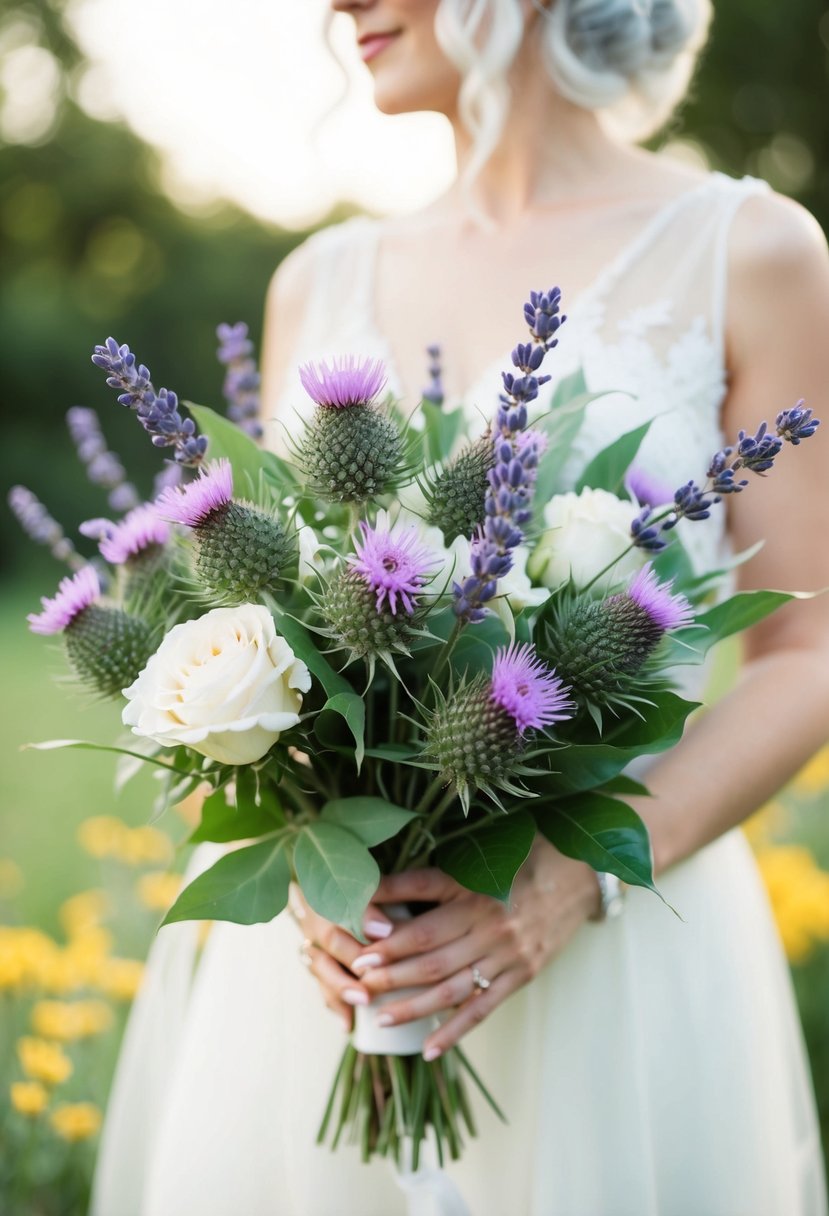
(629, 60)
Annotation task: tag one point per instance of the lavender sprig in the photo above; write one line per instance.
(158, 412)
(242, 381)
(515, 462)
(103, 468)
(434, 392)
(40, 527)
(753, 453)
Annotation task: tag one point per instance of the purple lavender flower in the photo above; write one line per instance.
(102, 466)
(141, 529)
(73, 596)
(434, 392)
(527, 689)
(241, 386)
(796, 424)
(158, 412)
(346, 381)
(196, 501)
(515, 463)
(667, 611)
(394, 564)
(40, 527)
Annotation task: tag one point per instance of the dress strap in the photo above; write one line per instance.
(734, 193)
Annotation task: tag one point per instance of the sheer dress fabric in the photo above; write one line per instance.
(656, 1068)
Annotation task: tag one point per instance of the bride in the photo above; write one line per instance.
(650, 1066)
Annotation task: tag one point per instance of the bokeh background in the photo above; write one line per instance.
(156, 163)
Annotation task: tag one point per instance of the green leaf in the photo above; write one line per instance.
(225, 438)
(486, 860)
(571, 386)
(372, 820)
(51, 745)
(247, 887)
(221, 821)
(561, 428)
(336, 872)
(352, 707)
(440, 431)
(626, 785)
(732, 616)
(604, 832)
(607, 470)
(475, 648)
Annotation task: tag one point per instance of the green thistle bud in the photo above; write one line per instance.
(239, 552)
(351, 454)
(107, 648)
(456, 496)
(349, 607)
(473, 740)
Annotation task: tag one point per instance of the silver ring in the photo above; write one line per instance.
(478, 981)
(305, 952)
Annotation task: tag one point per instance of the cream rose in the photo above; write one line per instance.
(585, 532)
(225, 684)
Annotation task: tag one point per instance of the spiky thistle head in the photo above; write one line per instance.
(240, 551)
(74, 596)
(476, 737)
(345, 382)
(393, 564)
(139, 537)
(455, 496)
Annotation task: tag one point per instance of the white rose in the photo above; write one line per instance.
(585, 532)
(225, 684)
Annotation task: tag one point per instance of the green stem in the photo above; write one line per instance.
(444, 657)
(624, 553)
(421, 831)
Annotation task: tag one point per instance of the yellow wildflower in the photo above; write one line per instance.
(101, 835)
(29, 1097)
(765, 824)
(813, 778)
(84, 911)
(106, 836)
(158, 889)
(44, 1061)
(120, 978)
(799, 893)
(69, 1020)
(26, 956)
(148, 844)
(76, 1120)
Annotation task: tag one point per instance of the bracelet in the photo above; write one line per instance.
(612, 891)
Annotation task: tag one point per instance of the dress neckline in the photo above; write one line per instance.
(610, 273)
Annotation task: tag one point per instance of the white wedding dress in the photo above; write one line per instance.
(657, 1067)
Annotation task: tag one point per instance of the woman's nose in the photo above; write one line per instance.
(350, 6)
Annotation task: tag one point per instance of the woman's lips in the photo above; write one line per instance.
(373, 44)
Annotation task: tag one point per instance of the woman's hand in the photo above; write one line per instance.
(468, 935)
(330, 950)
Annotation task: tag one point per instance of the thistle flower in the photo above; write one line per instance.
(239, 550)
(351, 450)
(242, 381)
(358, 620)
(513, 472)
(601, 647)
(476, 737)
(139, 536)
(158, 412)
(434, 392)
(39, 526)
(106, 647)
(347, 381)
(456, 496)
(103, 468)
(393, 563)
(527, 689)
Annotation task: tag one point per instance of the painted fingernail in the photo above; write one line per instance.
(366, 960)
(353, 996)
(384, 1019)
(431, 1053)
(378, 928)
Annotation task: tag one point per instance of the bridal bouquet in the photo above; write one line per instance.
(402, 646)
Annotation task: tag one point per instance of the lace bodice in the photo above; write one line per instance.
(649, 327)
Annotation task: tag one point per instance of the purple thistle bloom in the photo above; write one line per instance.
(158, 412)
(796, 424)
(347, 381)
(103, 467)
(193, 503)
(667, 611)
(241, 386)
(40, 527)
(393, 563)
(515, 463)
(141, 529)
(74, 595)
(527, 689)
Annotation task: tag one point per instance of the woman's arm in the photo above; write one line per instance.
(739, 753)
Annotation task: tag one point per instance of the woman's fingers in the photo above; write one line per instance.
(464, 947)
(472, 1012)
(321, 932)
(424, 886)
(420, 936)
(341, 991)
